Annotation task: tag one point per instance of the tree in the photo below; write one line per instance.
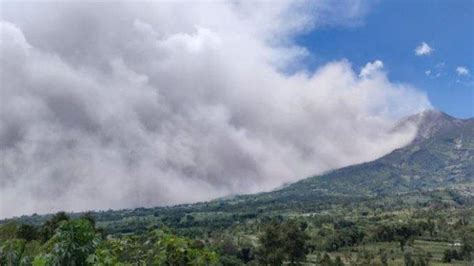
(8, 230)
(170, 249)
(404, 232)
(27, 232)
(345, 237)
(90, 217)
(272, 240)
(49, 227)
(431, 227)
(72, 244)
(12, 251)
(295, 242)
(283, 241)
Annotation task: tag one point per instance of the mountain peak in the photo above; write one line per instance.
(435, 115)
(440, 156)
(430, 116)
(429, 122)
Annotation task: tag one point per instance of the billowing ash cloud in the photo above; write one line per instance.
(122, 105)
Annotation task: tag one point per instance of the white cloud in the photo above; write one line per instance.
(428, 72)
(122, 105)
(462, 71)
(423, 49)
(371, 68)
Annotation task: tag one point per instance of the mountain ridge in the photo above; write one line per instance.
(443, 149)
(429, 122)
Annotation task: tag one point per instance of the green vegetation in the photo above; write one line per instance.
(371, 232)
(78, 242)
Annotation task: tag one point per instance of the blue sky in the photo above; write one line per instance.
(392, 30)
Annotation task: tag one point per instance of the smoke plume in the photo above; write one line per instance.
(120, 105)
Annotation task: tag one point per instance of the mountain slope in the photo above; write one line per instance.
(441, 156)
